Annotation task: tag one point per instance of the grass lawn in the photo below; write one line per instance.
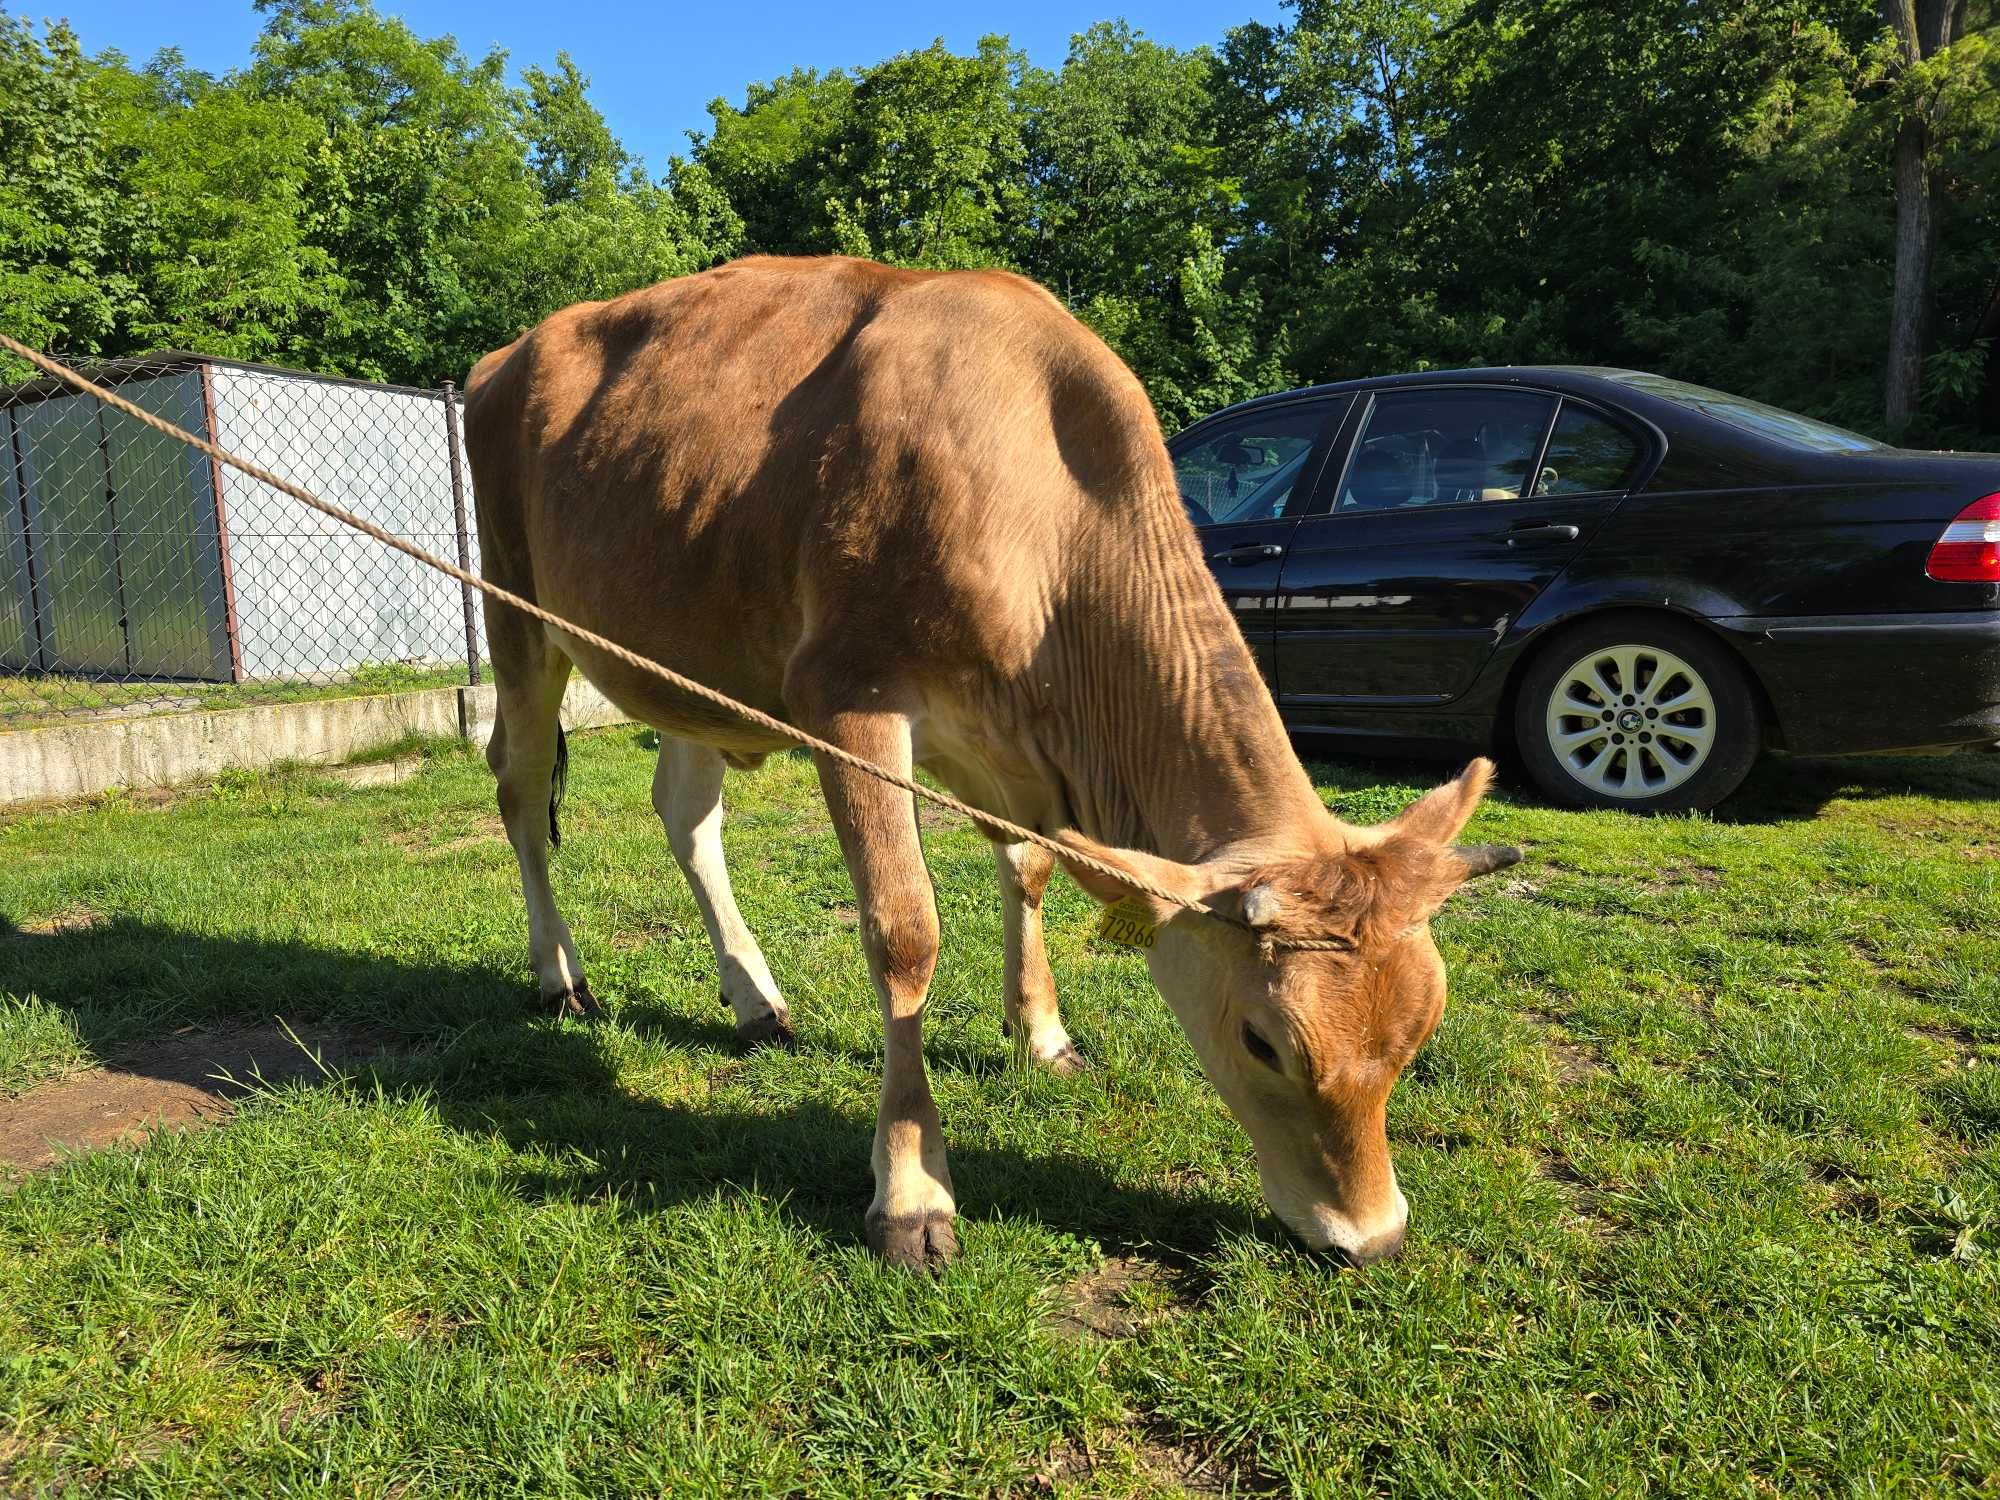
(1704, 1165)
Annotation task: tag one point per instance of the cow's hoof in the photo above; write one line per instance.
(1062, 1063)
(1065, 1063)
(915, 1242)
(772, 1029)
(576, 1004)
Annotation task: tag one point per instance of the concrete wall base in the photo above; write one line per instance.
(63, 762)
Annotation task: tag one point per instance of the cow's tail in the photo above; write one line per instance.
(558, 784)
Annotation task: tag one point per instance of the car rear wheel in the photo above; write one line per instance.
(1644, 715)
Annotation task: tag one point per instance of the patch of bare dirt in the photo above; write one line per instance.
(1844, 1192)
(177, 1082)
(1575, 1062)
(74, 919)
(1111, 1302)
(1957, 1040)
(1161, 1464)
(428, 845)
(1197, 1473)
(632, 935)
(1584, 1196)
(1680, 877)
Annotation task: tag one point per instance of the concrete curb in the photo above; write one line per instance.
(64, 762)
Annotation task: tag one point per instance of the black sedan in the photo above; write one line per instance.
(1633, 584)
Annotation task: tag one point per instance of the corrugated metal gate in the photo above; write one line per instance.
(127, 556)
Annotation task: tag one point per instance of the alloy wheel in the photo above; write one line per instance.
(1631, 721)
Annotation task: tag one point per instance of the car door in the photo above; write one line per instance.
(1454, 508)
(1244, 479)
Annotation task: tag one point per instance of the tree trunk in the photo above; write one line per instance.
(1989, 329)
(1916, 242)
(1922, 28)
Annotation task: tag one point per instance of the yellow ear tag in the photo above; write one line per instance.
(1129, 923)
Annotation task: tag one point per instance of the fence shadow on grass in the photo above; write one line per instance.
(466, 1036)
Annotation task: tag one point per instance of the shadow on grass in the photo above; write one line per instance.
(1783, 789)
(467, 1037)
(673, 1029)
(1780, 789)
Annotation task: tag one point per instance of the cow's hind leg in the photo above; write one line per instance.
(687, 794)
(910, 1219)
(1031, 1017)
(525, 751)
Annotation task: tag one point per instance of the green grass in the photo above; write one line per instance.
(30, 701)
(1704, 1164)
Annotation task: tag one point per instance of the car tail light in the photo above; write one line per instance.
(1969, 550)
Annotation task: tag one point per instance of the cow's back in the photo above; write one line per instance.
(714, 469)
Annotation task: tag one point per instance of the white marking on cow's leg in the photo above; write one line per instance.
(910, 1219)
(1032, 1016)
(522, 754)
(687, 794)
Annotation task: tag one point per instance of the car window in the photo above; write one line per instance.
(1587, 454)
(1248, 469)
(1456, 447)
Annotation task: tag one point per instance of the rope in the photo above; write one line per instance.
(1013, 832)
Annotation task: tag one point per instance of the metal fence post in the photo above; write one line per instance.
(464, 535)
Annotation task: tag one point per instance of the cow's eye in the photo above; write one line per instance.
(1260, 1049)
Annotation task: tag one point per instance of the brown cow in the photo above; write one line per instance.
(929, 516)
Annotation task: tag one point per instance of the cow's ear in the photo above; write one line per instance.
(1128, 866)
(1439, 815)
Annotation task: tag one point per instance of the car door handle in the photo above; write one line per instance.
(1542, 532)
(1248, 552)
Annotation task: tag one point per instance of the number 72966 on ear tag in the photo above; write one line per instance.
(1129, 923)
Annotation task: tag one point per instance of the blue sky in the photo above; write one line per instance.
(654, 67)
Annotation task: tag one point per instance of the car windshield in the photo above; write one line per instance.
(1753, 416)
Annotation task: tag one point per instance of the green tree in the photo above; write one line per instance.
(59, 197)
(212, 232)
(1786, 197)
(419, 185)
(1120, 162)
(1129, 203)
(1943, 88)
(930, 162)
(568, 139)
(777, 159)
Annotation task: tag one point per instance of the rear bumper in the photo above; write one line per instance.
(1844, 684)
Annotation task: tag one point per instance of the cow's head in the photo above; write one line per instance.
(1305, 1043)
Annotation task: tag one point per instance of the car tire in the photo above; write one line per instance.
(1635, 713)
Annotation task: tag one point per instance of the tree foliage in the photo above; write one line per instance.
(1705, 187)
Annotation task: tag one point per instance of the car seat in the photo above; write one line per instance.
(1376, 482)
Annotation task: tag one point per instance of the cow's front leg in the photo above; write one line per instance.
(910, 1219)
(1031, 1016)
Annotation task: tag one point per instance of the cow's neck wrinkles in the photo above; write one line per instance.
(1180, 752)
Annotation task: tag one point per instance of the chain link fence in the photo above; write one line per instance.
(137, 576)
